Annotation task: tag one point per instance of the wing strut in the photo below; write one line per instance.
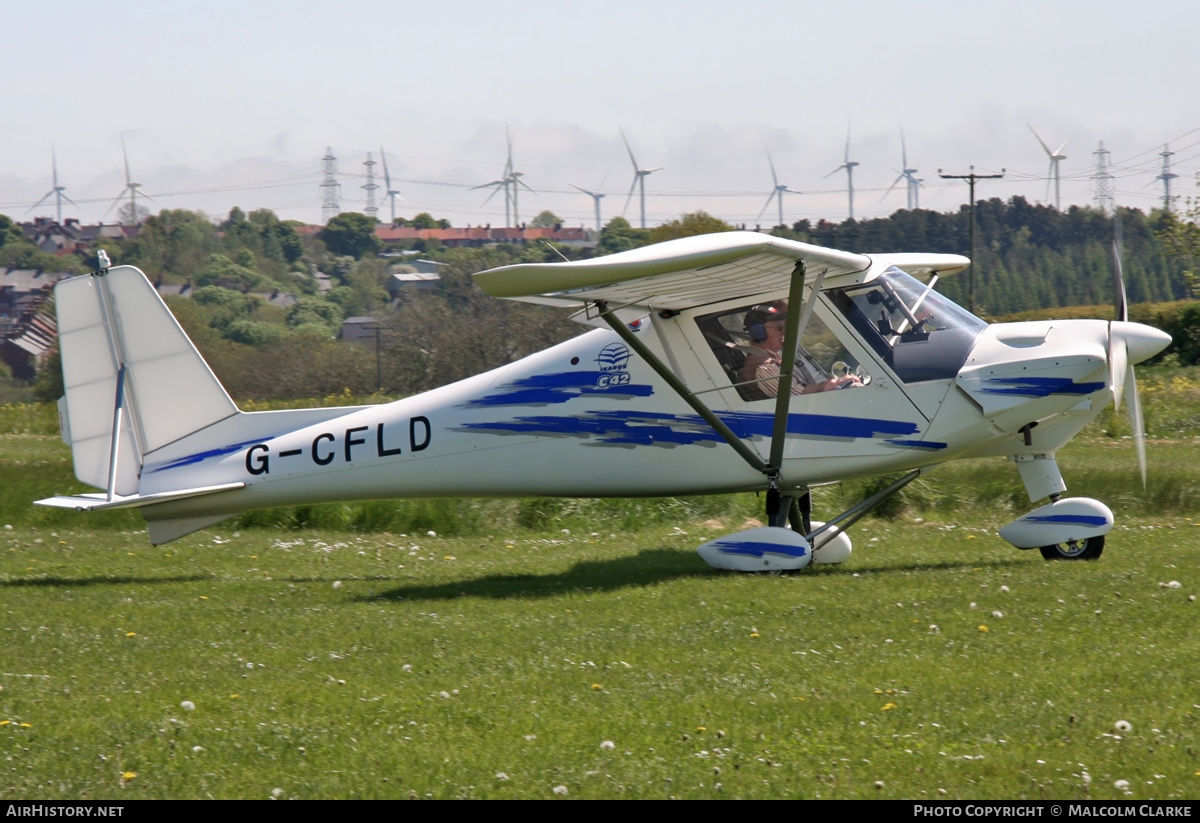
(795, 323)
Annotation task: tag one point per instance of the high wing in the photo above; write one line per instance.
(696, 271)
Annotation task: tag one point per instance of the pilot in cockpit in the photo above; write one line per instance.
(760, 373)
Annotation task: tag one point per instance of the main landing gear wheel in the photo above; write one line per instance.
(1089, 548)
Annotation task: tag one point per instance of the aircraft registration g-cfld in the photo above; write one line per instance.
(681, 390)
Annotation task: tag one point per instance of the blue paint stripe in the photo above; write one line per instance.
(757, 548)
(1040, 386)
(192, 459)
(1068, 519)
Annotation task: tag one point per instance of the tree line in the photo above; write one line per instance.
(1028, 257)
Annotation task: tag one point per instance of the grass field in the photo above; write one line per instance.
(513, 660)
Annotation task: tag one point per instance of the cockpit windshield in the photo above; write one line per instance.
(919, 333)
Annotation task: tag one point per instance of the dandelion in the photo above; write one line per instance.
(1174, 584)
(878, 784)
(431, 533)
(983, 629)
(889, 706)
(197, 748)
(501, 775)
(188, 706)
(127, 776)
(561, 790)
(131, 634)
(998, 614)
(1123, 726)
(337, 584)
(276, 792)
(596, 687)
(607, 745)
(1123, 785)
(1004, 589)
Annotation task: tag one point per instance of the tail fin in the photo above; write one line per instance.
(134, 382)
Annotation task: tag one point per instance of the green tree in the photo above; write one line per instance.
(546, 220)
(351, 234)
(696, 222)
(617, 235)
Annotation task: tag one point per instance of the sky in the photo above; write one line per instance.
(224, 104)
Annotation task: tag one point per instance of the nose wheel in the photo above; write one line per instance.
(1087, 548)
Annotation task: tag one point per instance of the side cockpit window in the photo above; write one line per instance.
(748, 343)
(920, 334)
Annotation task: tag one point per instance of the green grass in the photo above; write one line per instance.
(339, 665)
(340, 651)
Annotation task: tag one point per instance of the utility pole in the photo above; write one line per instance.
(330, 187)
(971, 178)
(1167, 176)
(370, 186)
(1102, 181)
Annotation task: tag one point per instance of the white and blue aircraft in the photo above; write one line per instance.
(676, 392)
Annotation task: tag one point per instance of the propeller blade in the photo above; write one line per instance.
(1120, 304)
(40, 202)
(894, 184)
(1043, 142)
(114, 203)
(1134, 408)
(125, 153)
(1118, 366)
(772, 196)
(632, 188)
(774, 178)
(386, 178)
(632, 159)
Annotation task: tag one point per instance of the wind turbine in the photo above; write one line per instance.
(848, 165)
(391, 194)
(130, 187)
(511, 182)
(596, 197)
(776, 193)
(914, 185)
(639, 179)
(1056, 157)
(57, 191)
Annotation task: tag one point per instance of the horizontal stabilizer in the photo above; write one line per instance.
(96, 502)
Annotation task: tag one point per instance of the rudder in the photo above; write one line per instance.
(130, 375)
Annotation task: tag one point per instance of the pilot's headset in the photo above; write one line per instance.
(758, 315)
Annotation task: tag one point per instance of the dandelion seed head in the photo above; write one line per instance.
(1121, 784)
(337, 584)
(607, 745)
(1004, 589)
(276, 792)
(998, 614)
(560, 790)
(188, 706)
(1123, 726)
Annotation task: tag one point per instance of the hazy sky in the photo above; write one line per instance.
(233, 103)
